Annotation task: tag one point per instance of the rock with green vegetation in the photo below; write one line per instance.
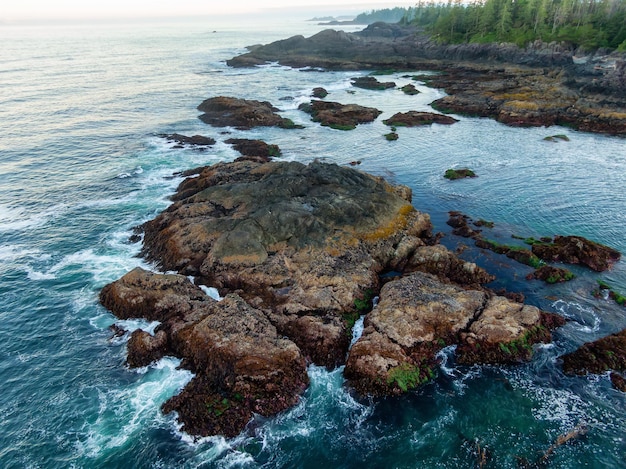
(577, 250)
(598, 357)
(319, 92)
(391, 136)
(418, 315)
(249, 147)
(605, 290)
(551, 275)
(371, 83)
(410, 89)
(243, 114)
(485, 223)
(460, 173)
(556, 138)
(339, 116)
(460, 224)
(416, 118)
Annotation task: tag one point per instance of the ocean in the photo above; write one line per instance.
(81, 164)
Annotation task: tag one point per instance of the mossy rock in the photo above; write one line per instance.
(556, 138)
(391, 136)
(462, 173)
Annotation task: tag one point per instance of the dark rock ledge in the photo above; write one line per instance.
(298, 251)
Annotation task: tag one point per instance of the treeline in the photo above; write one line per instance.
(388, 15)
(590, 24)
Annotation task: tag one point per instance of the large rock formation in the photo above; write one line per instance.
(298, 251)
(242, 365)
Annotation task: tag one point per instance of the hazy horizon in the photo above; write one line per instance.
(38, 11)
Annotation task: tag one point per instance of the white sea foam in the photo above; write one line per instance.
(126, 412)
(444, 356)
(212, 292)
(357, 330)
(586, 317)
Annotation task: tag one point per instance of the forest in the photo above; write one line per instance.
(588, 24)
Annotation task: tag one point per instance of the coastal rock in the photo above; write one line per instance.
(419, 314)
(410, 89)
(577, 250)
(319, 92)
(300, 242)
(244, 114)
(242, 365)
(550, 274)
(249, 147)
(195, 140)
(371, 83)
(339, 116)
(460, 224)
(598, 357)
(415, 118)
(460, 173)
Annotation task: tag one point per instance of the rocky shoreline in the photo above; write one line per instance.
(541, 85)
(300, 252)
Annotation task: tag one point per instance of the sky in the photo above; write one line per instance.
(24, 10)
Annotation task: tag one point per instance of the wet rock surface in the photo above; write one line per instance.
(415, 118)
(577, 250)
(222, 111)
(339, 116)
(248, 147)
(194, 140)
(371, 83)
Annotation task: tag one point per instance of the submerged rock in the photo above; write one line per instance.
(195, 140)
(598, 357)
(371, 83)
(224, 111)
(415, 118)
(339, 116)
(577, 250)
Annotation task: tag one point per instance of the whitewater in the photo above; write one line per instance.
(82, 164)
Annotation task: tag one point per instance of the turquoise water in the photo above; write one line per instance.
(81, 165)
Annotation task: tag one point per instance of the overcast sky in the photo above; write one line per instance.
(12, 10)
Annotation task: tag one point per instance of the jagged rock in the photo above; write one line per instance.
(600, 356)
(371, 83)
(242, 365)
(224, 111)
(419, 314)
(460, 223)
(415, 118)
(196, 140)
(339, 116)
(300, 241)
(577, 250)
(618, 382)
(249, 147)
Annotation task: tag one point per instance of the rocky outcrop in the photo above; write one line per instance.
(194, 140)
(339, 116)
(418, 315)
(577, 250)
(224, 111)
(415, 118)
(371, 83)
(248, 147)
(460, 173)
(319, 92)
(606, 354)
(298, 251)
(539, 85)
(242, 365)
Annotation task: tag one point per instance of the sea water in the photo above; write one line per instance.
(81, 164)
